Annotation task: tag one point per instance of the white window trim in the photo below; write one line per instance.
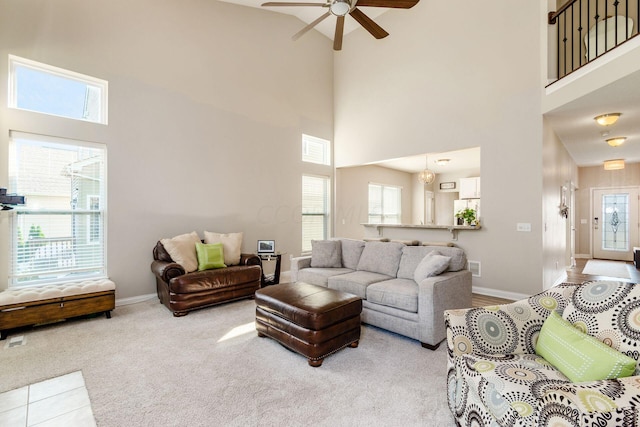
(326, 143)
(102, 85)
(103, 205)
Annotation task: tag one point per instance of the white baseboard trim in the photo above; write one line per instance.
(134, 300)
(584, 256)
(498, 293)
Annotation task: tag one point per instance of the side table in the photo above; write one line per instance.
(271, 279)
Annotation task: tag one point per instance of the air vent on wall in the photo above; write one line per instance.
(474, 268)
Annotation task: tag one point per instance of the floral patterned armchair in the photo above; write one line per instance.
(496, 378)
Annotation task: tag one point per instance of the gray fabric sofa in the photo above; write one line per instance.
(384, 275)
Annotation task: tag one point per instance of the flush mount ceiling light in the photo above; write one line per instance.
(607, 119)
(612, 165)
(617, 141)
(442, 162)
(340, 7)
(426, 176)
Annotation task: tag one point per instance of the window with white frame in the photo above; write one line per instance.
(39, 87)
(385, 204)
(315, 209)
(59, 233)
(315, 150)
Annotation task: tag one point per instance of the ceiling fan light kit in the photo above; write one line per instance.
(342, 8)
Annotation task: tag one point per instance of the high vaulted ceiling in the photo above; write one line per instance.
(573, 122)
(310, 14)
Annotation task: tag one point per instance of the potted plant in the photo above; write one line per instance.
(468, 215)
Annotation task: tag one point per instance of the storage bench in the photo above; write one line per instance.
(43, 304)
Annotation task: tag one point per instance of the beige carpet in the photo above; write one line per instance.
(144, 367)
(598, 267)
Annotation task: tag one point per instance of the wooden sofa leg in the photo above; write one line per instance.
(429, 346)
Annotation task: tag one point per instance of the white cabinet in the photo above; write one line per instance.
(470, 188)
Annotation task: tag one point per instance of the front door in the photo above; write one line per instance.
(615, 223)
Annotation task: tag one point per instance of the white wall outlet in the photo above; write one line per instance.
(583, 221)
(523, 226)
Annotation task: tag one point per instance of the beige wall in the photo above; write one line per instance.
(559, 170)
(352, 196)
(207, 104)
(596, 177)
(438, 89)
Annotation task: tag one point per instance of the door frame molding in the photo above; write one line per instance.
(592, 190)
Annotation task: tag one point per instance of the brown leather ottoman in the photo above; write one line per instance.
(311, 320)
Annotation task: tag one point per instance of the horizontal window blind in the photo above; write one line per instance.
(385, 204)
(315, 209)
(59, 234)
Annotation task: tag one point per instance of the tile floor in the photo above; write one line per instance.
(62, 401)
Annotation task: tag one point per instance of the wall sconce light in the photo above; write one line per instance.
(426, 176)
(612, 165)
(442, 162)
(607, 119)
(617, 141)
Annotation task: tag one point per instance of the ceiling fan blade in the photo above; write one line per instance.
(397, 4)
(303, 31)
(368, 24)
(279, 3)
(337, 38)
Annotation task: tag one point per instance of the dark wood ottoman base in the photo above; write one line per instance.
(310, 320)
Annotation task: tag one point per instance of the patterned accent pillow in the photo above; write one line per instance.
(231, 243)
(579, 356)
(326, 254)
(182, 249)
(608, 310)
(210, 256)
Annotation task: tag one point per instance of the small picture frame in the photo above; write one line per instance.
(266, 246)
(447, 185)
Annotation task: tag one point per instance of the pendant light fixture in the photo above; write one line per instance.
(426, 176)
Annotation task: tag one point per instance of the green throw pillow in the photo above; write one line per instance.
(210, 256)
(579, 356)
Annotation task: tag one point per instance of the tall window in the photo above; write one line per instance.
(315, 209)
(315, 150)
(46, 89)
(59, 234)
(385, 204)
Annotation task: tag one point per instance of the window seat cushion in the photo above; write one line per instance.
(38, 293)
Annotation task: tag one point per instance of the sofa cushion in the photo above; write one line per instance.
(319, 276)
(508, 386)
(231, 242)
(326, 254)
(579, 356)
(431, 265)
(210, 256)
(412, 255)
(351, 252)
(182, 250)
(381, 257)
(396, 293)
(356, 282)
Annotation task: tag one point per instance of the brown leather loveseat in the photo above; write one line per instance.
(182, 292)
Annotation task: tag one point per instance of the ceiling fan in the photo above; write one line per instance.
(340, 8)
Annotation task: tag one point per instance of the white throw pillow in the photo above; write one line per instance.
(231, 245)
(182, 250)
(431, 265)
